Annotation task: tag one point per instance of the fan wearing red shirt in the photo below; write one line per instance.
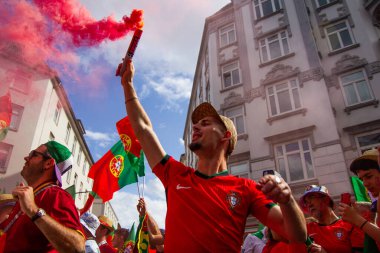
(329, 232)
(206, 207)
(45, 218)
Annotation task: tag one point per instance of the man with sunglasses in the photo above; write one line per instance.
(330, 233)
(45, 218)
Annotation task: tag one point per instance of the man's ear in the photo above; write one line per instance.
(227, 134)
(49, 163)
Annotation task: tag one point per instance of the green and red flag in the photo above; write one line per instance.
(114, 170)
(127, 136)
(129, 243)
(5, 114)
(361, 193)
(142, 242)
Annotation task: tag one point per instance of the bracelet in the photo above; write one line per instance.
(365, 222)
(130, 99)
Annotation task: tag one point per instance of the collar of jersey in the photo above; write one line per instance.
(223, 173)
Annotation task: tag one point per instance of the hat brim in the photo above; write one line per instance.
(58, 174)
(204, 110)
(92, 231)
(302, 199)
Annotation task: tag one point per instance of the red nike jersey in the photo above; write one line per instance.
(207, 214)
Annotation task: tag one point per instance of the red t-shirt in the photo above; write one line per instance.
(24, 235)
(334, 238)
(106, 248)
(207, 214)
(283, 247)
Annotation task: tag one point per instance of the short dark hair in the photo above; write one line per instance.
(363, 164)
(123, 232)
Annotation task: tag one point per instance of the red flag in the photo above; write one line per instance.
(128, 137)
(5, 114)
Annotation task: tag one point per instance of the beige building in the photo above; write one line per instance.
(41, 112)
(301, 81)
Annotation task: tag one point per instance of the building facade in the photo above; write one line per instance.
(301, 81)
(41, 112)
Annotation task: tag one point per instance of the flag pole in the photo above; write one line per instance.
(143, 186)
(138, 188)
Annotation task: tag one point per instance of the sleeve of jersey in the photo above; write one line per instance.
(61, 207)
(259, 203)
(168, 168)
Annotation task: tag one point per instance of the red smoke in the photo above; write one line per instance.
(44, 31)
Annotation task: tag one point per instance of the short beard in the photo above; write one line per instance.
(194, 146)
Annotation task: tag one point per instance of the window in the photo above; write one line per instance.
(75, 181)
(294, 161)
(80, 190)
(240, 169)
(266, 7)
(74, 145)
(368, 141)
(274, 46)
(231, 74)
(323, 2)
(227, 35)
(17, 111)
(339, 36)
(68, 132)
(5, 155)
(51, 137)
(79, 156)
(356, 89)
(57, 112)
(84, 170)
(237, 116)
(283, 97)
(68, 178)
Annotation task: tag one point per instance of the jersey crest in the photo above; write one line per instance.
(340, 234)
(117, 165)
(233, 199)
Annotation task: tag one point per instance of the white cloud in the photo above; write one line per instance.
(168, 49)
(103, 140)
(181, 141)
(124, 203)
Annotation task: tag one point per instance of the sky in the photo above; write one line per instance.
(165, 63)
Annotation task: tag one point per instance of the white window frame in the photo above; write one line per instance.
(17, 111)
(338, 34)
(57, 112)
(292, 87)
(355, 85)
(79, 156)
(286, 154)
(80, 190)
(68, 133)
(68, 177)
(258, 6)
(281, 38)
(371, 145)
(241, 174)
(230, 69)
(73, 149)
(84, 170)
(229, 32)
(5, 155)
(237, 118)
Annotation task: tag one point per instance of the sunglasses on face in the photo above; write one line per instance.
(34, 153)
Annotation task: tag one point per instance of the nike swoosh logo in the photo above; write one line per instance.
(179, 187)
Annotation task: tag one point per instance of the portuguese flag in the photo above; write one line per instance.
(114, 170)
(5, 114)
(129, 243)
(127, 136)
(142, 242)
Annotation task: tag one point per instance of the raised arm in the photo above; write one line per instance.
(139, 119)
(287, 218)
(63, 239)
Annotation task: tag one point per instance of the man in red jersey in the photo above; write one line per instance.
(102, 232)
(330, 233)
(207, 207)
(44, 218)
